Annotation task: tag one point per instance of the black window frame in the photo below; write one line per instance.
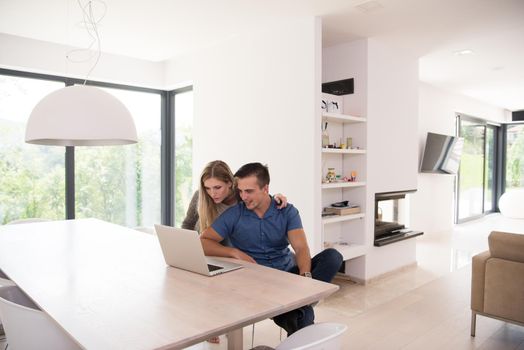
(167, 152)
(498, 176)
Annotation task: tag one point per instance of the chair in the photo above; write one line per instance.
(497, 280)
(3, 276)
(318, 336)
(26, 221)
(27, 327)
(4, 282)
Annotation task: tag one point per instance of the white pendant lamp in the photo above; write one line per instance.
(80, 116)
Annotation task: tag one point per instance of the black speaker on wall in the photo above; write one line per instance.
(339, 87)
(518, 116)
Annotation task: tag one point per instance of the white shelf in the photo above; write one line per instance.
(343, 184)
(342, 118)
(340, 218)
(350, 251)
(343, 151)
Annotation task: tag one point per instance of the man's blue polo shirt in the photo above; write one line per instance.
(264, 239)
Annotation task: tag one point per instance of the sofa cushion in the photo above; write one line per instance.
(505, 245)
(504, 289)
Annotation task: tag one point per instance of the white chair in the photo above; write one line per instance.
(26, 221)
(318, 336)
(3, 275)
(4, 282)
(27, 327)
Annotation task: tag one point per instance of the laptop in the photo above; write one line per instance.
(182, 249)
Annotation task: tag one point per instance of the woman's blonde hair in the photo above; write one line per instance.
(207, 209)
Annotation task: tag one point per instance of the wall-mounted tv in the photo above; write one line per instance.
(442, 154)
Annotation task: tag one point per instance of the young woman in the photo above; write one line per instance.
(216, 194)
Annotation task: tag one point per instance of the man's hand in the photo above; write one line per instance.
(240, 255)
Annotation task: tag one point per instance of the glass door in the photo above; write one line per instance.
(514, 157)
(477, 177)
(471, 173)
(490, 169)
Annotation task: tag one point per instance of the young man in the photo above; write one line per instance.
(261, 234)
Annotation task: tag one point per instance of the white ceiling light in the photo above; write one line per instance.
(82, 115)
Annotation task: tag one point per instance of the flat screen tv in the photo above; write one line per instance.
(441, 154)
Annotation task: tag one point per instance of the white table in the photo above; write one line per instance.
(109, 287)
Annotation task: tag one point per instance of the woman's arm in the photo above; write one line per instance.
(191, 218)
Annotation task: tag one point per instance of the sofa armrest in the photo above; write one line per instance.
(478, 277)
(508, 246)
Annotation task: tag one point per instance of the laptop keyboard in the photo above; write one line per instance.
(213, 267)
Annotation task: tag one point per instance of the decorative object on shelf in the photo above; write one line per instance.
(350, 209)
(349, 142)
(333, 107)
(325, 136)
(339, 87)
(331, 176)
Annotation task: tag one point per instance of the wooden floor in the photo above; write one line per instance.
(422, 307)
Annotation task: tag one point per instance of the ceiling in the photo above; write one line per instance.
(433, 30)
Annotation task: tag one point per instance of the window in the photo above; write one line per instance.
(514, 156)
(32, 178)
(183, 102)
(125, 185)
(121, 184)
(477, 173)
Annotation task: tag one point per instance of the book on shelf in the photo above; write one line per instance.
(343, 210)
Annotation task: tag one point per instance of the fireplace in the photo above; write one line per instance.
(391, 213)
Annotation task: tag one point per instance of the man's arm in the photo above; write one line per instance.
(211, 243)
(298, 241)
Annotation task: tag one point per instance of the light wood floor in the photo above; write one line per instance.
(422, 307)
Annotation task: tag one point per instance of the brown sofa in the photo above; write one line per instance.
(497, 280)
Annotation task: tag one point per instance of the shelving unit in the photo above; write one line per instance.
(343, 184)
(341, 218)
(343, 151)
(345, 233)
(342, 118)
(350, 251)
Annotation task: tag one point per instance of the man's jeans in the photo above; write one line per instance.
(324, 267)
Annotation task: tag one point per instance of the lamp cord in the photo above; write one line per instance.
(89, 22)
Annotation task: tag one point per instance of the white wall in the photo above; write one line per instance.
(392, 142)
(432, 206)
(386, 92)
(42, 57)
(256, 99)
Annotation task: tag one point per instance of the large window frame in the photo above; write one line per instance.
(167, 152)
(498, 161)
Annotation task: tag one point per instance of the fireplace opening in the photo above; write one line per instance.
(391, 217)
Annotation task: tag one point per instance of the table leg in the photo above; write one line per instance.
(234, 340)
